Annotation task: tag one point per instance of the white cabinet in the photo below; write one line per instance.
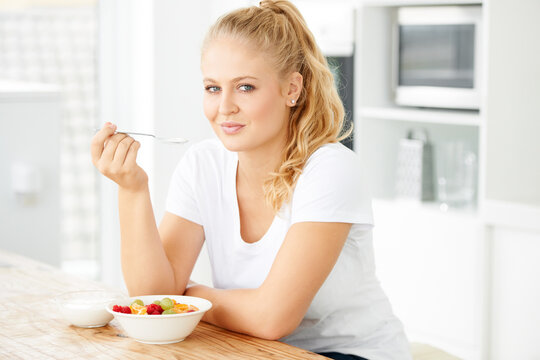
(515, 319)
(30, 116)
(431, 266)
(463, 280)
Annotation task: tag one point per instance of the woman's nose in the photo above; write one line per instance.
(227, 104)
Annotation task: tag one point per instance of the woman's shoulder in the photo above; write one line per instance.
(333, 165)
(335, 148)
(332, 187)
(333, 156)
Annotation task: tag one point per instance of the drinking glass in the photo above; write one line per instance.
(456, 175)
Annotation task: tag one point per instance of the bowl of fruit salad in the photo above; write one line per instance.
(159, 319)
(86, 308)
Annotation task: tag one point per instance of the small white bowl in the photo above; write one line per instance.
(87, 308)
(160, 329)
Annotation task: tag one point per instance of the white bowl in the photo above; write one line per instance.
(87, 308)
(160, 329)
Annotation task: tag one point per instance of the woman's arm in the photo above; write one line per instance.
(151, 262)
(156, 262)
(276, 308)
(144, 263)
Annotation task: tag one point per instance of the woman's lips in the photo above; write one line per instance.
(231, 128)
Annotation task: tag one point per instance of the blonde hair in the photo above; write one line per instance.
(278, 29)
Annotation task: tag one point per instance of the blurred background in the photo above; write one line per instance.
(454, 174)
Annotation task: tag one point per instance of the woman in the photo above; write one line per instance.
(279, 201)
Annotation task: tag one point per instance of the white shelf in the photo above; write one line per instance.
(416, 2)
(447, 117)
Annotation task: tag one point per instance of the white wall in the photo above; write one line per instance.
(513, 108)
(512, 206)
(150, 80)
(178, 33)
(126, 99)
(179, 28)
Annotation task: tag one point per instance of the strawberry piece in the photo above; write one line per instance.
(154, 309)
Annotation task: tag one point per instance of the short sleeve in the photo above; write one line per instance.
(332, 189)
(182, 198)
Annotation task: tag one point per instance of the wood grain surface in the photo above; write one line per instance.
(31, 328)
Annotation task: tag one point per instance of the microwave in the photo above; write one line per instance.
(437, 56)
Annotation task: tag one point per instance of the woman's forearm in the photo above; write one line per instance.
(240, 310)
(145, 265)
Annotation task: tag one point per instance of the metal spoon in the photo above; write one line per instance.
(176, 140)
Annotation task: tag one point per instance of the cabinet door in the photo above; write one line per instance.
(430, 265)
(515, 294)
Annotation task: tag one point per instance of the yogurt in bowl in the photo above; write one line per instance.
(87, 308)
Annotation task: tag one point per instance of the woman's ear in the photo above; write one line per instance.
(295, 82)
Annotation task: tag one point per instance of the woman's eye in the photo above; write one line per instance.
(246, 87)
(212, 89)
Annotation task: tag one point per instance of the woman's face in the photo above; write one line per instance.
(244, 99)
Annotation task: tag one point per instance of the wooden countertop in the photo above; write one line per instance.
(31, 328)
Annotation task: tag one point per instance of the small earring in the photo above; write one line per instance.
(293, 101)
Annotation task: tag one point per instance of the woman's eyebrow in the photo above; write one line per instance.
(236, 79)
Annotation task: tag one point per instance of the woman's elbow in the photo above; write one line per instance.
(275, 327)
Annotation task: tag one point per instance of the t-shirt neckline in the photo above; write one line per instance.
(237, 230)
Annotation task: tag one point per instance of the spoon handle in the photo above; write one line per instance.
(134, 133)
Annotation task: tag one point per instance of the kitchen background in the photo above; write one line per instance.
(462, 275)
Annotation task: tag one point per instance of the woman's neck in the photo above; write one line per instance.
(255, 166)
(253, 170)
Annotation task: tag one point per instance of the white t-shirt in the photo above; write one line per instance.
(350, 313)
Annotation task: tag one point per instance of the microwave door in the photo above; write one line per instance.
(437, 55)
